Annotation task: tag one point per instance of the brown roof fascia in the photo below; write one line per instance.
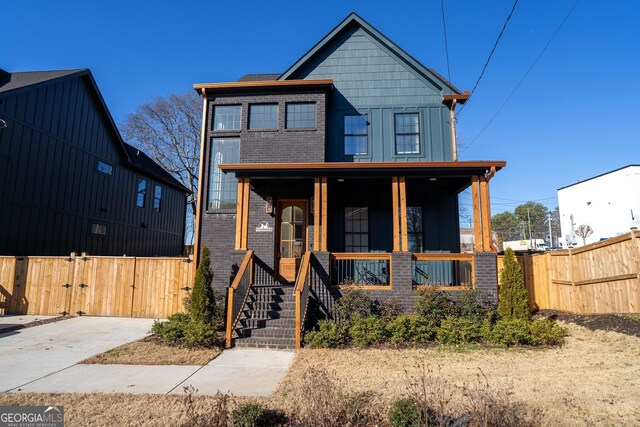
(460, 98)
(498, 164)
(263, 84)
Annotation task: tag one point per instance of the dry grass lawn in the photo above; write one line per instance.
(152, 351)
(593, 380)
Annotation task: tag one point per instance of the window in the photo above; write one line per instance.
(355, 135)
(414, 228)
(356, 229)
(407, 133)
(105, 168)
(301, 116)
(99, 229)
(263, 116)
(141, 191)
(223, 188)
(227, 117)
(157, 198)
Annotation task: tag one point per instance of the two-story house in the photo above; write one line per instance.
(339, 172)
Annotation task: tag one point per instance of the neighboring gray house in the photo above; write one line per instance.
(343, 168)
(69, 183)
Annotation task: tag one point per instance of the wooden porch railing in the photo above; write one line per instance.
(361, 269)
(443, 270)
(301, 292)
(237, 295)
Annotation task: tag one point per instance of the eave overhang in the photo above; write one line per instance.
(364, 169)
(325, 84)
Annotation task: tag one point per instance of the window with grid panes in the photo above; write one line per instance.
(227, 117)
(355, 135)
(223, 188)
(407, 130)
(356, 229)
(263, 116)
(301, 115)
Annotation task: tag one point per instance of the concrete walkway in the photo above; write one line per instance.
(12, 322)
(240, 372)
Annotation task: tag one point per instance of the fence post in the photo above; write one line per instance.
(133, 286)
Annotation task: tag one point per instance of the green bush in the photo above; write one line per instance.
(472, 305)
(433, 305)
(509, 332)
(513, 300)
(388, 309)
(330, 334)
(366, 331)
(171, 331)
(202, 306)
(411, 328)
(459, 330)
(353, 301)
(249, 415)
(198, 334)
(546, 332)
(406, 412)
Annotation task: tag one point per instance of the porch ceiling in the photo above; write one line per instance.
(455, 169)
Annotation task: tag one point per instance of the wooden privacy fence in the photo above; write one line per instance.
(95, 286)
(602, 277)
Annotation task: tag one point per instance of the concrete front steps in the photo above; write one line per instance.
(268, 319)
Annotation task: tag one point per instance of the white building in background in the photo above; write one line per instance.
(608, 203)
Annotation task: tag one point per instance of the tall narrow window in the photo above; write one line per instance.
(414, 228)
(356, 229)
(105, 168)
(99, 229)
(227, 117)
(301, 115)
(263, 116)
(355, 135)
(141, 191)
(407, 131)
(223, 188)
(157, 198)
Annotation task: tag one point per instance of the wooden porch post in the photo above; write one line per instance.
(404, 241)
(323, 240)
(316, 214)
(245, 213)
(239, 212)
(477, 215)
(394, 208)
(487, 238)
(199, 202)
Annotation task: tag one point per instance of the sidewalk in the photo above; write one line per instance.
(240, 372)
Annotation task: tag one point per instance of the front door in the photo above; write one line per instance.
(292, 237)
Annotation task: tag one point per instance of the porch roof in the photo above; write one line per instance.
(430, 169)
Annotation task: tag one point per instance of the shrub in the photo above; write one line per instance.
(388, 309)
(513, 301)
(472, 305)
(200, 334)
(411, 328)
(433, 305)
(249, 414)
(509, 332)
(171, 331)
(330, 334)
(459, 330)
(406, 412)
(366, 331)
(546, 332)
(202, 306)
(353, 301)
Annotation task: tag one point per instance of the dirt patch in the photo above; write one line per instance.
(624, 324)
(153, 351)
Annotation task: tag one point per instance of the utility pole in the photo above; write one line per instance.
(550, 235)
(529, 219)
(524, 233)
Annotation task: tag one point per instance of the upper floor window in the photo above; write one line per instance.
(301, 115)
(157, 198)
(99, 229)
(356, 229)
(227, 117)
(355, 135)
(407, 131)
(263, 116)
(141, 191)
(223, 188)
(414, 228)
(105, 168)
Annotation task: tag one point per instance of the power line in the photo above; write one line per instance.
(522, 79)
(446, 43)
(486, 64)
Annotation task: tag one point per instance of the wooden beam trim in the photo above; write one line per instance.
(477, 225)
(395, 209)
(442, 257)
(323, 240)
(316, 214)
(239, 212)
(404, 242)
(452, 117)
(466, 164)
(246, 191)
(203, 145)
(629, 276)
(486, 214)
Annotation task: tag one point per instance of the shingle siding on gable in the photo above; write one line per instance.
(369, 79)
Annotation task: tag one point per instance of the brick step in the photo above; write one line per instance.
(271, 298)
(277, 343)
(269, 314)
(266, 323)
(271, 290)
(263, 305)
(289, 332)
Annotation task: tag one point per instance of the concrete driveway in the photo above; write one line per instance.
(27, 355)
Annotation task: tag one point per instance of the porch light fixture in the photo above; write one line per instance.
(433, 179)
(268, 205)
(340, 179)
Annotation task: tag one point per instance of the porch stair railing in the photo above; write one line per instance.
(237, 295)
(301, 292)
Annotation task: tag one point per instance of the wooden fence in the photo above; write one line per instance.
(96, 286)
(602, 277)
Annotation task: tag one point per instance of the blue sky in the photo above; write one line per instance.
(575, 116)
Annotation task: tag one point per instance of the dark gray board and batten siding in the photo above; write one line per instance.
(51, 191)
